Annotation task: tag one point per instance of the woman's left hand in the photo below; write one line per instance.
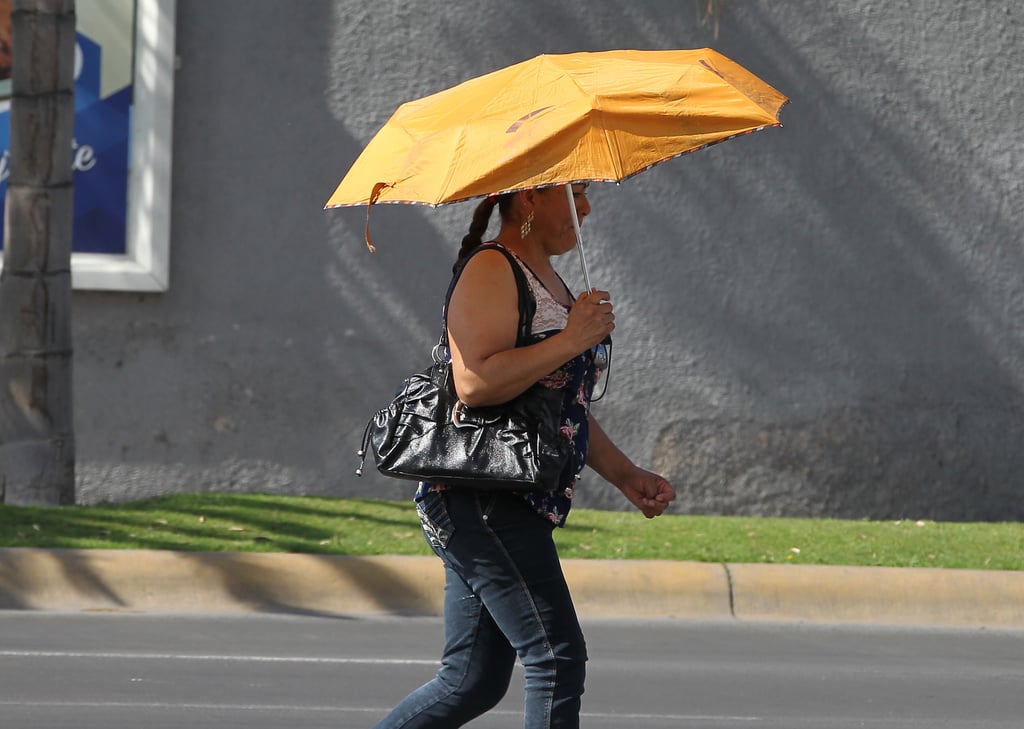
(648, 492)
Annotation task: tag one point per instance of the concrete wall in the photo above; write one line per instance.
(823, 319)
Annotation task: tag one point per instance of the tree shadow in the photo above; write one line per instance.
(317, 585)
(827, 313)
(64, 571)
(870, 337)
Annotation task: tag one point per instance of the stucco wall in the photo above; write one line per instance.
(823, 319)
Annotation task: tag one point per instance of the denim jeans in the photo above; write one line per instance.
(505, 595)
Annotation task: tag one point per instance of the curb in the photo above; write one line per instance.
(182, 582)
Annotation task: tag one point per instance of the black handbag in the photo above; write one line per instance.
(427, 434)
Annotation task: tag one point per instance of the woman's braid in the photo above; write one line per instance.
(477, 228)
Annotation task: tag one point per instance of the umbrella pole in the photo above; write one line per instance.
(579, 237)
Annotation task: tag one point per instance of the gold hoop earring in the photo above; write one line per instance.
(526, 227)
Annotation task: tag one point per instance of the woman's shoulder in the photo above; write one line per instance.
(491, 262)
(492, 252)
(486, 271)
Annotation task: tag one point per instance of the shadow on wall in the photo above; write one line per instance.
(818, 320)
(823, 317)
(850, 463)
(875, 329)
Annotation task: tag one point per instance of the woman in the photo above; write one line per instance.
(505, 594)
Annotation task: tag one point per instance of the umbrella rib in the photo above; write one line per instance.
(614, 151)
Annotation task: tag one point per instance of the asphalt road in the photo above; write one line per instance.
(128, 671)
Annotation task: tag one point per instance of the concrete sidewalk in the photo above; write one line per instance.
(157, 581)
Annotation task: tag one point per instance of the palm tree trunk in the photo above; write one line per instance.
(37, 445)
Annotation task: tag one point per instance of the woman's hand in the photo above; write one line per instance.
(591, 319)
(648, 492)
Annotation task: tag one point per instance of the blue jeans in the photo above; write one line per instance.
(505, 595)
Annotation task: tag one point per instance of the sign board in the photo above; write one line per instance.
(124, 80)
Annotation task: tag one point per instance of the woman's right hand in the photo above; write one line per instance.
(591, 319)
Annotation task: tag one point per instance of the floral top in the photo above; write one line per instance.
(576, 379)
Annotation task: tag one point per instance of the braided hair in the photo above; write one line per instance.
(478, 225)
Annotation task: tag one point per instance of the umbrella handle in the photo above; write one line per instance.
(579, 237)
(579, 247)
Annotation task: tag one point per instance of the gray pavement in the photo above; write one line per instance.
(124, 671)
(184, 582)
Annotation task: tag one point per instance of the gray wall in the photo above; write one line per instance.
(823, 319)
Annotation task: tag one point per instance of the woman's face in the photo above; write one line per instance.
(553, 222)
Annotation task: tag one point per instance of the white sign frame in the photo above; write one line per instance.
(145, 265)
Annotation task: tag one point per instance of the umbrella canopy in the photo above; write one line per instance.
(557, 119)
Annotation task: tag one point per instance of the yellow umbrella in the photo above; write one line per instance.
(557, 119)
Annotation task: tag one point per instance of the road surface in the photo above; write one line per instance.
(126, 671)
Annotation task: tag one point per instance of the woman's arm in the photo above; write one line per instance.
(483, 319)
(647, 491)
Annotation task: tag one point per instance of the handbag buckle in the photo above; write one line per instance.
(457, 415)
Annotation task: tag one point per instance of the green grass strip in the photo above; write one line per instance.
(321, 525)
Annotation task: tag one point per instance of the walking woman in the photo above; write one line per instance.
(505, 594)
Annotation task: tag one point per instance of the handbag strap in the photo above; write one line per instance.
(527, 304)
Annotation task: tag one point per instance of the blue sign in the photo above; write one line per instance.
(100, 157)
